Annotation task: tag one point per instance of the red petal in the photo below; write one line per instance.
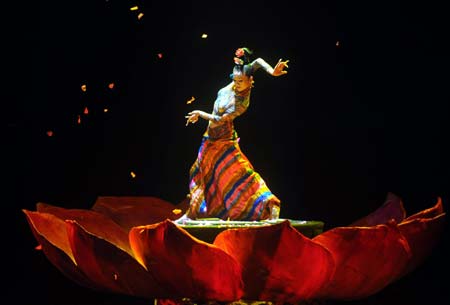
(392, 208)
(50, 232)
(422, 236)
(367, 259)
(280, 264)
(94, 222)
(131, 212)
(434, 211)
(107, 264)
(187, 266)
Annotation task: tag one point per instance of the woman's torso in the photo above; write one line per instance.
(227, 106)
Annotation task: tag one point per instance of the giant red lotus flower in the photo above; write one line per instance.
(129, 245)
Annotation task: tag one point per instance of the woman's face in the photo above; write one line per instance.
(242, 82)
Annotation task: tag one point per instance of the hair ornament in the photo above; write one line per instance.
(239, 52)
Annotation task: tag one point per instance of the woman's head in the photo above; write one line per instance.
(242, 82)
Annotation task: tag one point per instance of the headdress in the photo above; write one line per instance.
(242, 62)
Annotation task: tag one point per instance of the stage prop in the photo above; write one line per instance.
(131, 246)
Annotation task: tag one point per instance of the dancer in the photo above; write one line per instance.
(223, 183)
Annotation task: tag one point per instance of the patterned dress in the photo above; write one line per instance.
(223, 183)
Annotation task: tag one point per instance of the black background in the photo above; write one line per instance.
(348, 124)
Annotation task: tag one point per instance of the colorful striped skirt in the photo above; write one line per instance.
(223, 184)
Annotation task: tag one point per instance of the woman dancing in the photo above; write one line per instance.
(223, 183)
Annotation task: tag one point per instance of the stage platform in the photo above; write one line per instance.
(207, 229)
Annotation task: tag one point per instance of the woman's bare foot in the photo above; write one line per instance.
(182, 220)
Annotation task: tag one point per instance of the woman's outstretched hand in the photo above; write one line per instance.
(192, 117)
(279, 68)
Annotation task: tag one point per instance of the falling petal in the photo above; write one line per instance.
(111, 85)
(140, 16)
(160, 55)
(105, 110)
(79, 119)
(337, 43)
(134, 8)
(83, 88)
(38, 247)
(190, 100)
(86, 110)
(49, 133)
(132, 174)
(204, 35)
(176, 211)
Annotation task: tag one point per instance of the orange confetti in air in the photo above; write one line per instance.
(204, 35)
(140, 16)
(191, 100)
(176, 211)
(105, 110)
(38, 247)
(134, 8)
(83, 88)
(86, 110)
(111, 86)
(79, 119)
(116, 276)
(133, 175)
(337, 43)
(49, 133)
(160, 55)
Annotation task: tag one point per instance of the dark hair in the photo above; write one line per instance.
(247, 54)
(242, 62)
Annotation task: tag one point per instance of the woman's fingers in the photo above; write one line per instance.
(191, 118)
